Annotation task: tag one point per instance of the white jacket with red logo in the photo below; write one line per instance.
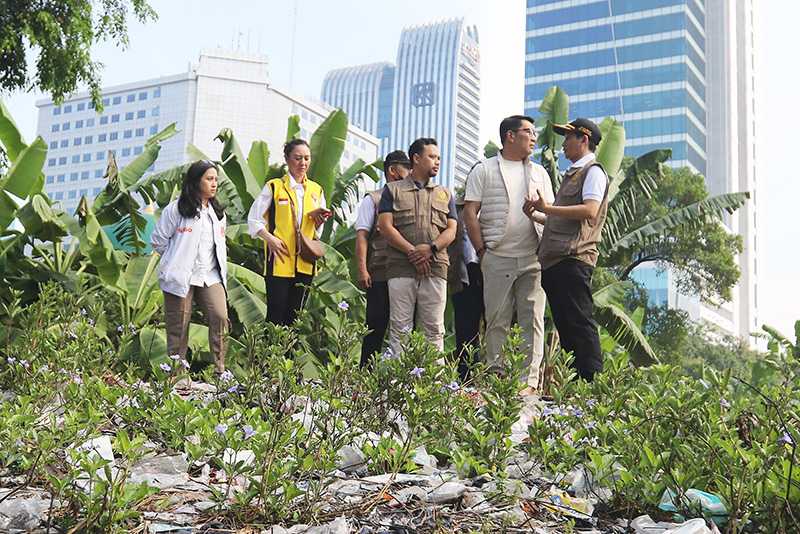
(177, 240)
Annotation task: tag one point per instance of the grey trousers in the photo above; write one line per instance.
(428, 295)
(178, 312)
(514, 285)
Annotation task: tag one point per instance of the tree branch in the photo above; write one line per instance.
(644, 259)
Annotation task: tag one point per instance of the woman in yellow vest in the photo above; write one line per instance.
(282, 204)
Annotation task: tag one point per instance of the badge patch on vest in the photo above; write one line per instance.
(442, 195)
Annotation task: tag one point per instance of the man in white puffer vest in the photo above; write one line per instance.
(506, 239)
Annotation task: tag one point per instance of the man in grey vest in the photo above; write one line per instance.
(568, 248)
(371, 256)
(506, 238)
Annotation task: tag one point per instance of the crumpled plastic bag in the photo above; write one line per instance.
(710, 505)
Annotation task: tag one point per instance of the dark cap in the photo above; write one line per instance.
(398, 157)
(582, 126)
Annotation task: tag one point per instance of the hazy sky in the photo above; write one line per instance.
(337, 33)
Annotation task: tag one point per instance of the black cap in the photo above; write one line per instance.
(583, 126)
(398, 157)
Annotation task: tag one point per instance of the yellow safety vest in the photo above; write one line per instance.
(283, 199)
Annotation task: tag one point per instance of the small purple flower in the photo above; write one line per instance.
(120, 328)
(344, 306)
(547, 411)
(24, 363)
(234, 388)
(11, 360)
(165, 367)
(724, 404)
(248, 431)
(417, 372)
(387, 354)
(226, 376)
(453, 386)
(44, 368)
(77, 379)
(786, 439)
(184, 364)
(221, 428)
(175, 357)
(578, 413)
(591, 403)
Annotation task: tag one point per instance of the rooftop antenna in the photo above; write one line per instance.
(294, 34)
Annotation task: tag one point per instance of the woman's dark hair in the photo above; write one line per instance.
(189, 201)
(288, 147)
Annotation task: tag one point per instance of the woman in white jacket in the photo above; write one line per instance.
(190, 237)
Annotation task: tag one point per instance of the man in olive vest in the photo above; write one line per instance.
(371, 256)
(506, 238)
(568, 248)
(418, 220)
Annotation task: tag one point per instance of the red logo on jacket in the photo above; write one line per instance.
(184, 229)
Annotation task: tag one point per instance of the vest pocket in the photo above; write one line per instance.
(439, 214)
(403, 217)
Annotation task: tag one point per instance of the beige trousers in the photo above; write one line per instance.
(514, 285)
(178, 312)
(428, 295)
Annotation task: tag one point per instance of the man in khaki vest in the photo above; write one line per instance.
(371, 256)
(568, 248)
(418, 220)
(506, 238)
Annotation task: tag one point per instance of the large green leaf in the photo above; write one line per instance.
(327, 146)
(258, 160)
(293, 127)
(346, 191)
(40, 220)
(25, 169)
(10, 136)
(140, 281)
(644, 167)
(95, 244)
(134, 171)
(237, 169)
(246, 294)
(612, 316)
(694, 214)
(152, 347)
(8, 210)
(554, 109)
(612, 147)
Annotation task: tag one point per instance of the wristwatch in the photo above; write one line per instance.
(434, 248)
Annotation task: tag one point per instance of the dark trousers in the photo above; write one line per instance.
(377, 319)
(467, 314)
(285, 296)
(568, 288)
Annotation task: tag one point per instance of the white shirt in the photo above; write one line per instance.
(594, 187)
(365, 218)
(255, 217)
(520, 238)
(205, 271)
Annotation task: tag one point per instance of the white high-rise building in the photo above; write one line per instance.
(435, 93)
(224, 90)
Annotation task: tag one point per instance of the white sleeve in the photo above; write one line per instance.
(365, 219)
(594, 187)
(165, 228)
(474, 186)
(256, 216)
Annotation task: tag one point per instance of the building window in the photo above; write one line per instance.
(99, 155)
(156, 111)
(73, 177)
(126, 152)
(137, 150)
(113, 136)
(104, 120)
(89, 122)
(79, 123)
(143, 95)
(423, 94)
(141, 114)
(62, 160)
(127, 134)
(131, 98)
(68, 108)
(87, 157)
(106, 101)
(115, 117)
(72, 194)
(76, 158)
(50, 179)
(57, 110)
(51, 162)
(88, 140)
(157, 92)
(139, 132)
(154, 129)
(116, 100)
(129, 116)
(77, 141)
(97, 190)
(53, 144)
(59, 195)
(102, 138)
(84, 192)
(98, 173)
(85, 175)
(81, 106)
(90, 105)
(65, 127)
(64, 143)
(55, 128)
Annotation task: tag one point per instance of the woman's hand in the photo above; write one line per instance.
(276, 247)
(319, 215)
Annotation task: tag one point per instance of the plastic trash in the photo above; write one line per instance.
(709, 504)
(561, 502)
(645, 525)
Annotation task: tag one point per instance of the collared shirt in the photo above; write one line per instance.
(205, 271)
(365, 220)
(255, 217)
(594, 187)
